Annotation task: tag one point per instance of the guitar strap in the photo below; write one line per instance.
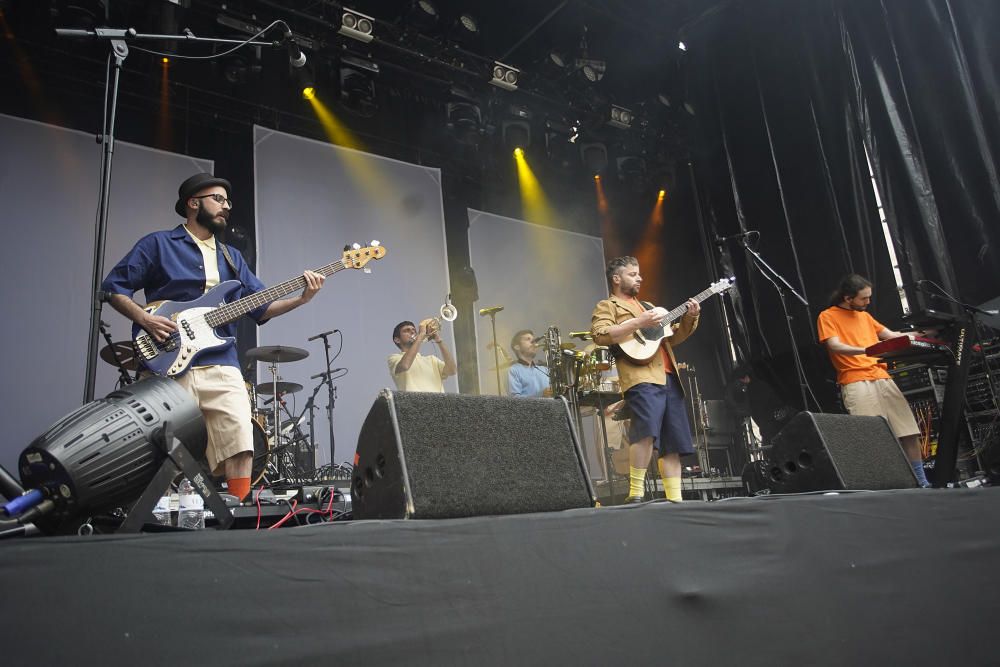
(229, 259)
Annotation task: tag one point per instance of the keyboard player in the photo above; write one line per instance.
(846, 329)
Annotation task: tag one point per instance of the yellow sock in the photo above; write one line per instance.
(636, 481)
(671, 485)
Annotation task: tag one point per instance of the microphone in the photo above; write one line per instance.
(490, 310)
(719, 240)
(322, 335)
(296, 58)
(326, 373)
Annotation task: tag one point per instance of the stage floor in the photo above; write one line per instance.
(886, 578)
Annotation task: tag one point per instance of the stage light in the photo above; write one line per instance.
(662, 195)
(308, 93)
(597, 177)
(505, 76)
(165, 61)
(595, 157)
(465, 121)
(518, 152)
(620, 117)
(515, 134)
(682, 46)
(104, 454)
(357, 26)
(357, 85)
(465, 30)
(423, 15)
(663, 99)
(305, 81)
(590, 70)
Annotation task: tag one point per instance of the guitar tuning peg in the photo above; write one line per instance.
(375, 243)
(356, 246)
(346, 248)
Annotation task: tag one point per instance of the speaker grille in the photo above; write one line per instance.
(467, 456)
(817, 452)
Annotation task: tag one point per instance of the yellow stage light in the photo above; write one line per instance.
(308, 93)
(165, 61)
(518, 152)
(663, 193)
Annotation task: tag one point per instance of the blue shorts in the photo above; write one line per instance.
(660, 411)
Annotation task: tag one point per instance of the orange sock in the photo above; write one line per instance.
(239, 486)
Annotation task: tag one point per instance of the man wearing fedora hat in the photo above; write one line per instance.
(180, 265)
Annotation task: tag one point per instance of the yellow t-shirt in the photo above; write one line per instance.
(424, 374)
(210, 259)
(852, 327)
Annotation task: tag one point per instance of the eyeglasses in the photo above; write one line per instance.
(219, 199)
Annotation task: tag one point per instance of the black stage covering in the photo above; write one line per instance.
(888, 578)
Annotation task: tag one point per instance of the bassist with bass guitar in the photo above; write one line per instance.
(183, 264)
(652, 391)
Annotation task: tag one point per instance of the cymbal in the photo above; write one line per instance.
(125, 354)
(567, 346)
(267, 388)
(279, 354)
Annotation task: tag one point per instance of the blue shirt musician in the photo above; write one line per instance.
(525, 377)
(180, 265)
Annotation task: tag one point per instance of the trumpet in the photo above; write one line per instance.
(433, 326)
(448, 312)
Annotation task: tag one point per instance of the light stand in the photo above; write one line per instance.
(782, 286)
(119, 51)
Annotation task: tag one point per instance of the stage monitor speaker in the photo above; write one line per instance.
(434, 456)
(820, 452)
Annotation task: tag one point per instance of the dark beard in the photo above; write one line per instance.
(208, 221)
(632, 291)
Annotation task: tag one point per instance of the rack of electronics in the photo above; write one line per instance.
(923, 384)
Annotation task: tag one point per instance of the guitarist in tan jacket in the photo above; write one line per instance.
(648, 376)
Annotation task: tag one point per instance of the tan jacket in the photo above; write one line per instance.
(614, 311)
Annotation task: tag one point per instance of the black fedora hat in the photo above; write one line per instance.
(194, 184)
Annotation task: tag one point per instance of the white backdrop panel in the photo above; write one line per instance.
(541, 276)
(312, 199)
(49, 183)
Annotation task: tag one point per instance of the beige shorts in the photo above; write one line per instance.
(881, 398)
(222, 396)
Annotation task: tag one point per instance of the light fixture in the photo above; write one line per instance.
(590, 70)
(595, 157)
(305, 81)
(105, 453)
(515, 134)
(423, 15)
(620, 117)
(465, 121)
(465, 30)
(504, 76)
(357, 26)
(357, 86)
(682, 46)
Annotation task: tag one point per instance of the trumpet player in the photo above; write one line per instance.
(412, 371)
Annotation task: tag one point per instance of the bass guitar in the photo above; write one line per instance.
(644, 344)
(198, 320)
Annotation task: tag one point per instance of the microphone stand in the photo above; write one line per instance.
(116, 37)
(496, 355)
(782, 286)
(125, 378)
(331, 394)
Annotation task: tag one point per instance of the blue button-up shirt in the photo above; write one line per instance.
(527, 379)
(168, 265)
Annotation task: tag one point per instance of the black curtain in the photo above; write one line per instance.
(789, 97)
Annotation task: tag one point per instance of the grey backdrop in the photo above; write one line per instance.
(312, 199)
(49, 183)
(543, 277)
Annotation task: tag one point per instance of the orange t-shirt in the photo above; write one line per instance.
(668, 365)
(852, 327)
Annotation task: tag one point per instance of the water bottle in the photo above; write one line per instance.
(190, 507)
(162, 510)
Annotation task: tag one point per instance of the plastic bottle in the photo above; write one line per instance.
(190, 507)
(161, 512)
